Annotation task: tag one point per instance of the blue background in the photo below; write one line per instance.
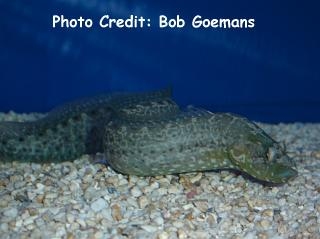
(270, 73)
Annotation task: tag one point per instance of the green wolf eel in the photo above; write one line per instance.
(147, 134)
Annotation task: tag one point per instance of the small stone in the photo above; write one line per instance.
(255, 205)
(70, 235)
(40, 199)
(98, 235)
(162, 191)
(81, 222)
(202, 205)
(39, 222)
(200, 234)
(74, 187)
(98, 205)
(163, 235)
(220, 188)
(263, 235)
(143, 202)
(106, 214)
(196, 178)
(51, 195)
(70, 218)
(313, 228)
(159, 221)
(178, 224)
(136, 192)
(212, 219)
(35, 166)
(182, 234)
(187, 206)
(123, 182)
(184, 180)
(54, 210)
(201, 217)
(227, 178)
(173, 189)
(265, 224)
(61, 232)
(154, 185)
(190, 216)
(28, 221)
(317, 154)
(267, 213)
(149, 228)
(30, 178)
(116, 212)
(11, 212)
(4, 201)
(4, 182)
(30, 227)
(4, 227)
(282, 228)
(250, 235)
(19, 223)
(191, 194)
(275, 190)
(33, 211)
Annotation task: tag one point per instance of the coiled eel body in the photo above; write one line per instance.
(147, 134)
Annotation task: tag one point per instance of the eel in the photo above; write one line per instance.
(147, 134)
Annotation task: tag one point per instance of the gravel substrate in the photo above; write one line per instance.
(81, 199)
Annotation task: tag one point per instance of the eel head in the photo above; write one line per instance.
(266, 163)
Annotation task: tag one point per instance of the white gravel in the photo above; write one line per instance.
(84, 200)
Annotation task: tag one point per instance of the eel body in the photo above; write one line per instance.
(147, 134)
(77, 128)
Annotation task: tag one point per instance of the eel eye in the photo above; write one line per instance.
(271, 154)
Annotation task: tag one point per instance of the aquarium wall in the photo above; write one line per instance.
(265, 67)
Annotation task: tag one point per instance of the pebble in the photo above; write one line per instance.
(61, 232)
(267, 213)
(143, 202)
(70, 218)
(182, 234)
(263, 235)
(149, 228)
(187, 206)
(54, 210)
(136, 192)
(163, 235)
(173, 189)
(10, 212)
(116, 212)
(51, 196)
(265, 224)
(29, 220)
(178, 224)
(98, 205)
(220, 188)
(159, 221)
(196, 178)
(81, 222)
(202, 205)
(98, 235)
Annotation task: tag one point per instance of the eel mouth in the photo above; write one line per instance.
(281, 167)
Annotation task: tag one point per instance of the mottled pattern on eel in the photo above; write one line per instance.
(76, 128)
(147, 134)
